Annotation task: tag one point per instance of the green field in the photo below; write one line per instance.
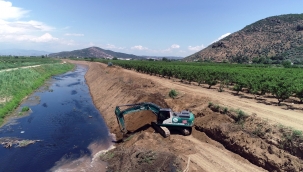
(7, 62)
(277, 81)
(17, 84)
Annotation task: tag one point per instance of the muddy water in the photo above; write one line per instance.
(66, 121)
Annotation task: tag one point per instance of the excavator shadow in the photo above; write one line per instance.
(129, 134)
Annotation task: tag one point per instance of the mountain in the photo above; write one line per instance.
(274, 38)
(94, 52)
(20, 52)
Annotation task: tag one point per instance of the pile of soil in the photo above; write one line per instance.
(234, 137)
(135, 155)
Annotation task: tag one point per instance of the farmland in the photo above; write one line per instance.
(7, 62)
(279, 82)
(17, 84)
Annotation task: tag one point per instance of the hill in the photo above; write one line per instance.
(272, 39)
(95, 52)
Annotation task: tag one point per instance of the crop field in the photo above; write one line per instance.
(279, 82)
(17, 84)
(7, 62)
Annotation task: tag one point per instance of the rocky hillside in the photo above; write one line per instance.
(94, 52)
(274, 38)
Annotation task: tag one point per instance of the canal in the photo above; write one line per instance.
(67, 128)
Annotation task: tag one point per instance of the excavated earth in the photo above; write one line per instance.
(220, 141)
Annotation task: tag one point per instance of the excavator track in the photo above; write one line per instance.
(160, 129)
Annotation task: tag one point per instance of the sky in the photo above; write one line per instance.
(141, 27)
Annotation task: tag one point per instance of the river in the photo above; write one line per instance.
(69, 128)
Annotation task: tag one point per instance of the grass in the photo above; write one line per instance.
(108, 155)
(17, 84)
(127, 139)
(25, 143)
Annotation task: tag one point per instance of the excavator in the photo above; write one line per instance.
(166, 118)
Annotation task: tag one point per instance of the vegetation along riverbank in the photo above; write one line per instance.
(15, 85)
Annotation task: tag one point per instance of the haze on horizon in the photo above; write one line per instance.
(155, 28)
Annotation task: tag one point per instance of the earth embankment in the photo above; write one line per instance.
(218, 143)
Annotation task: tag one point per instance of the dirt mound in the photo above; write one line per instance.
(232, 135)
(135, 155)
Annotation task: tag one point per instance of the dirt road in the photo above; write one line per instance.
(6, 70)
(211, 158)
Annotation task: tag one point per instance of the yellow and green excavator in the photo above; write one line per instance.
(166, 118)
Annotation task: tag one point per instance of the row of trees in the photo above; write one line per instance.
(280, 82)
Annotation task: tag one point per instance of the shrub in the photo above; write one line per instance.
(217, 108)
(210, 104)
(25, 109)
(297, 133)
(241, 117)
(225, 110)
(173, 93)
(109, 64)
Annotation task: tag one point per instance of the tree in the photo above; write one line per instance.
(255, 60)
(165, 59)
(211, 80)
(115, 58)
(282, 89)
(299, 92)
(240, 84)
(286, 64)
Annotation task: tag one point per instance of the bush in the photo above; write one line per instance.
(173, 93)
(25, 109)
(109, 64)
(241, 117)
(225, 110)
(210, 104)
(297, 133)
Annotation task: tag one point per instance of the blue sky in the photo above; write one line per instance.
(141, 27)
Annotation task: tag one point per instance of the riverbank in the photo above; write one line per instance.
(15, 85)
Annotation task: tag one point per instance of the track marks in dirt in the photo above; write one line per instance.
(207, 157)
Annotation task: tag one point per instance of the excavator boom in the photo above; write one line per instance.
(134, 108)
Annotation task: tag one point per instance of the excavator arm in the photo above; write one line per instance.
(134, 108)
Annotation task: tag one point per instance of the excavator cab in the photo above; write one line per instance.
(163, 115)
